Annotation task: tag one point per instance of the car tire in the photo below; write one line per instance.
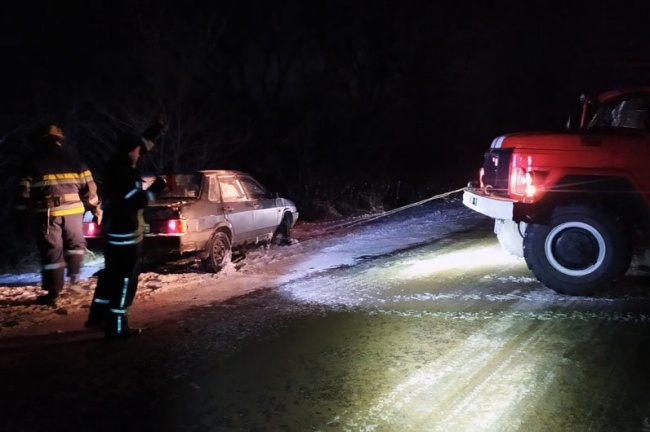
(511, 236)
(582, 251)
(219, 252)
(283, 231)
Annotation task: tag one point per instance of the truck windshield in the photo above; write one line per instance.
(630, 113)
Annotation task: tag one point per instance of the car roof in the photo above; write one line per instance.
(221, 172)
(205, 171)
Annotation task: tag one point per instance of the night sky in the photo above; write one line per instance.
(312, 97)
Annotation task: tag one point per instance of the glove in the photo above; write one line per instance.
(158, 185)
(98, 214)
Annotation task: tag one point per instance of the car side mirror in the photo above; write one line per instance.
(273, 195)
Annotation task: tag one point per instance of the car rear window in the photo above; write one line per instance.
(179, 185)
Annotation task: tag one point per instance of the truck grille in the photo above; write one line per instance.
(495, 169)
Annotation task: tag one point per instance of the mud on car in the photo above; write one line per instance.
(209, 213)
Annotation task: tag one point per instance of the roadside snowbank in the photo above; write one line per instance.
(320, 246)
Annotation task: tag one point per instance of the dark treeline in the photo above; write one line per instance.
(345, 105)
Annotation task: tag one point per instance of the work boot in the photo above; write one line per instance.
(97, 316)
(48, 299)
(117, 328)
(123, 335)
(75, 286)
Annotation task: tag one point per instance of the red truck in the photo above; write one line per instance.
(574, 204)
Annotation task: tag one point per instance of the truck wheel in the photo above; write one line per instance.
(511, 236)
(219, 252)
(582, 251)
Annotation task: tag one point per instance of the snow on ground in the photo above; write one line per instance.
(320, 246)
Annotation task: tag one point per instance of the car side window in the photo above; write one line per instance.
(213, 189)
(231, 190)
(254, 189)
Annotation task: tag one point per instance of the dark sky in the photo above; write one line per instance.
(520, 43)
(593, 44)
(380, 89)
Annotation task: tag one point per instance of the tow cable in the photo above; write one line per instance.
(371, 218)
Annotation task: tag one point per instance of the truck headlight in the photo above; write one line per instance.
(522, 183)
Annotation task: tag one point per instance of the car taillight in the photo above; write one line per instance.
(522, 183)
(481, 173)
(170, 226)
(176, 226)
(91, 229)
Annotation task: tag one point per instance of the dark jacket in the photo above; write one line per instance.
(123, 195)
(124, 201)
(56, 179)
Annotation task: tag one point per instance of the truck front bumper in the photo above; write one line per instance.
(489, 205)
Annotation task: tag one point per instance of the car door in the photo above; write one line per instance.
(238, 210)
(266, 216)
(212, 212)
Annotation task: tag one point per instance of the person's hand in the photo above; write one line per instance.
(158, 185)
(98, 214)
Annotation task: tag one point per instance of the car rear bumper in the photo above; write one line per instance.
(166, 244)
(153, 244)
(489, 205)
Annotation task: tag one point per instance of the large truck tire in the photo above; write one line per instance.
(582, 251)
(511, 236)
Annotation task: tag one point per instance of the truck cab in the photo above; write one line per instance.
(574, 204)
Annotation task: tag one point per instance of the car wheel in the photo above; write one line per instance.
(511, 236)
(582, 251)
(219, 252)
(282, 233)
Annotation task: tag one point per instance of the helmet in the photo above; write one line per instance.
(52, 131)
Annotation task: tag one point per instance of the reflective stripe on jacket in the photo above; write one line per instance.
(58, 182)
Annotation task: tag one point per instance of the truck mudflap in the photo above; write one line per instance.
(494, 207)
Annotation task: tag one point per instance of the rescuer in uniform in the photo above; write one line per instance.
(58, 188)
(123, 202)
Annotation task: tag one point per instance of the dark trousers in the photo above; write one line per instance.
(61, 243)
(117, 285)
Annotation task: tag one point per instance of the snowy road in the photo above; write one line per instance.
(417, 322)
